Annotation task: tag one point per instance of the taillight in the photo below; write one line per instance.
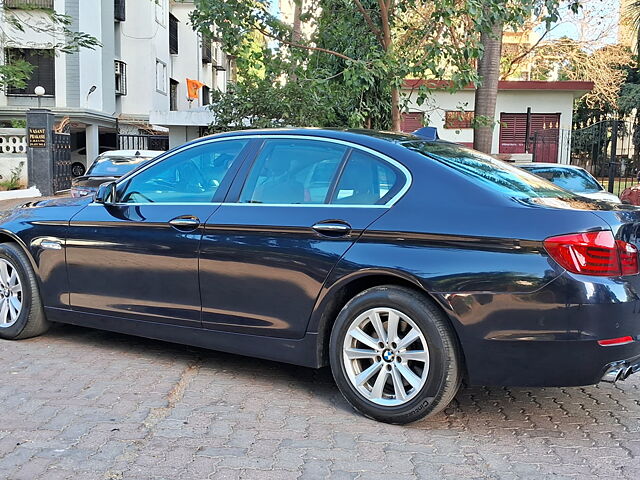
(593, 253)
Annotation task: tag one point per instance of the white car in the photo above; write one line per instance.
(79, 161)
(572, 178)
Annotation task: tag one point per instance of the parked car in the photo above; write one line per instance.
(110, 166)
(631, 195)
(572, 178)
(423, 263)
(79, 160)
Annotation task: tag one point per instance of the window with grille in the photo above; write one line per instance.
(43, 74)
(119, 10)
(121, 77)
(173, 95)
(206, 51)
(458, 119)
(173, 35)
(206, 95)
(28, 4)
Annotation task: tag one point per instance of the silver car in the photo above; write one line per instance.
(572, 178)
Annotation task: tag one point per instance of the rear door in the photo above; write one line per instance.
(292, 213)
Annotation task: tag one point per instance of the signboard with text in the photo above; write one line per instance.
(37, 137)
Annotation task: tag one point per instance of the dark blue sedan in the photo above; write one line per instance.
(405, 264)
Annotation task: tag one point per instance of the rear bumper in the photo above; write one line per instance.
(549, 337)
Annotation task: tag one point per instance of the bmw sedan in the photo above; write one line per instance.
(407, 265)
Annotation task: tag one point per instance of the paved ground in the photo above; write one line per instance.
(83, 404)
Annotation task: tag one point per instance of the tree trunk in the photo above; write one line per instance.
(396, 118)
(296, 35)
(487, 91)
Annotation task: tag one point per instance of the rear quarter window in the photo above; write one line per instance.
(488, 171)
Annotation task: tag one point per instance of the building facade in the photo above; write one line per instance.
(547, 108)
(148, 51)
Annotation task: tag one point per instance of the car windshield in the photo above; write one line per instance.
(115, 166)
(573, 179)
(490, 172)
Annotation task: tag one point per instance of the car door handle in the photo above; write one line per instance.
(185, 224)
(332, 229)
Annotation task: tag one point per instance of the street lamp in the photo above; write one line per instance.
(39, 91)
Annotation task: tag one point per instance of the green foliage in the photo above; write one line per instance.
(15, 73)
(14, 181)
(361, 51)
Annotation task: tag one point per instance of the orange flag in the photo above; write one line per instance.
(192, 88)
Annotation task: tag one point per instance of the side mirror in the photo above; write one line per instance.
(106, 194)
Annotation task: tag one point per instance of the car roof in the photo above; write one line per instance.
(131, 153)
(339, 133)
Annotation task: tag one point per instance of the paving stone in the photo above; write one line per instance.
(91, 404)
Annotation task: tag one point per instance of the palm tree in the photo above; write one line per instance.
(631, 15)
(487, 91)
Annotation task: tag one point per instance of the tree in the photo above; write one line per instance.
(489, 65)
(412, 38)
(486, 94)
(29, 19)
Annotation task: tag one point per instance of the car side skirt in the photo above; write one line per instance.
(298, 352)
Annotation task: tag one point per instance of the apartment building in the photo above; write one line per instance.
(148, 51)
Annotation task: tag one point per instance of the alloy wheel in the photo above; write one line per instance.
(10, 294)
(385, 356)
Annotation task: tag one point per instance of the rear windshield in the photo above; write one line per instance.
(486, 170)
(116, 166)
(573, 179)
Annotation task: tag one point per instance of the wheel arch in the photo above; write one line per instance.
(7, 236)
(336, 296)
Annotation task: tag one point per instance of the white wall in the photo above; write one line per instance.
(508, 101)
(188, 62)
(143, 39)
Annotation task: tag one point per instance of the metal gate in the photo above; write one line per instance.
(608, 150)
(61, 153)
(142, 142)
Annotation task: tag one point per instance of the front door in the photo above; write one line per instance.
(298, 208)
(138, 258)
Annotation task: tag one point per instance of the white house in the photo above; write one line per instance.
(544, 108)
(148, 51)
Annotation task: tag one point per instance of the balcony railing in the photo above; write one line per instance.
(13, 140)
(28, 4)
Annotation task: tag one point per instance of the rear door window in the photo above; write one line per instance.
(366, 180)
(293, 172)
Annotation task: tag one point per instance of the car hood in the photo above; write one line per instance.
(44, 209)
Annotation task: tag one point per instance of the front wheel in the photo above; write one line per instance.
(21, 312)
(394, 355)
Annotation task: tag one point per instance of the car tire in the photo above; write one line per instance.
(77, 169)
(401, 390)
(29, 320)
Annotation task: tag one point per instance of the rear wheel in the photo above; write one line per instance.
(394, 355)
(21, 312)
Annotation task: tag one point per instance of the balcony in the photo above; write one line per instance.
(28, 4)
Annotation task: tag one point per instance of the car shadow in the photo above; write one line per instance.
(525, 409)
